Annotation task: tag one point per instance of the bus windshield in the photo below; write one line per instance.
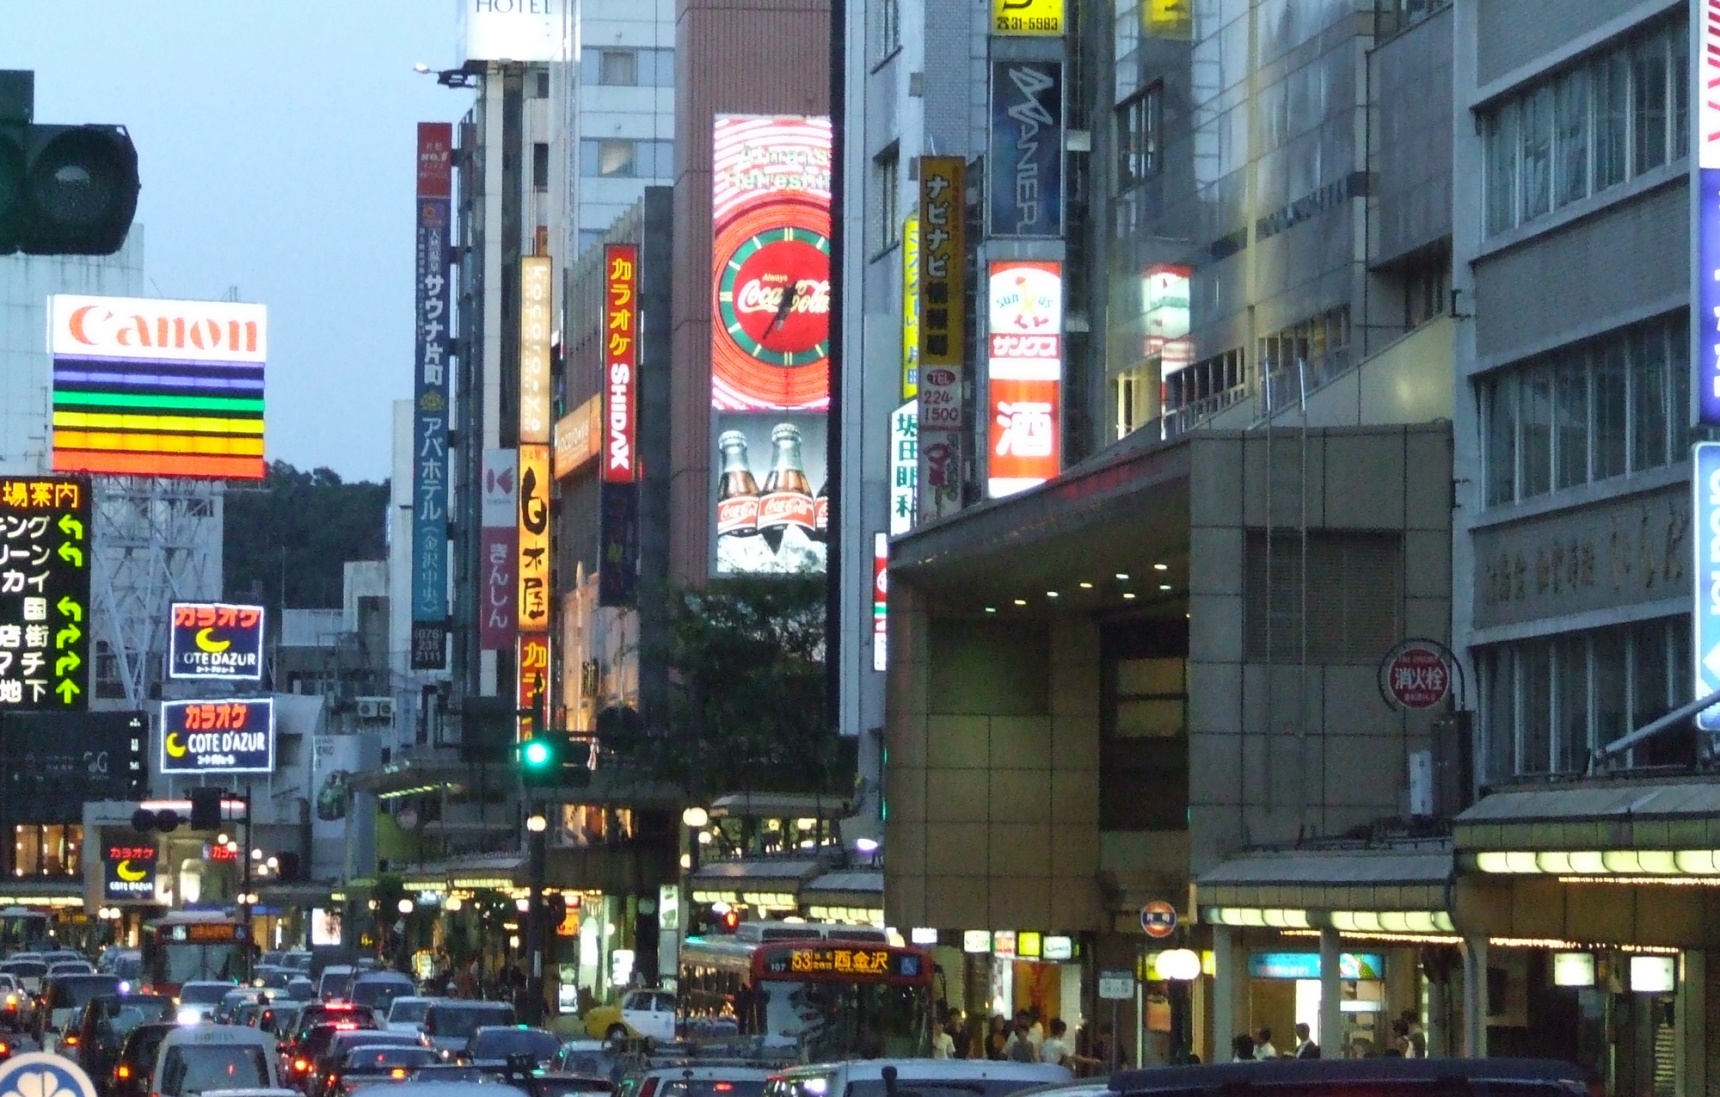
(836, 1020)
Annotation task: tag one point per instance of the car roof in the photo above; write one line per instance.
(513, 1028)
(1301, 1071)
(933, 1069)
(707, 1072)
(413, 1088)
(470, 1003)
(216, 1034)
(382, 977)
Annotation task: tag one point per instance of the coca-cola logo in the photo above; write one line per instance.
(738, 515)
(786, 508)
(774, 297)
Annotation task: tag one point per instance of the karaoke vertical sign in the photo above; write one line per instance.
(432, 300)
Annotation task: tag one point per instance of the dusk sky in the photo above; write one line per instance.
(275, 143)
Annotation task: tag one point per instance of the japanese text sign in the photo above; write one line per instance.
(1705, 186)
(576, 438)
(1024, 372)
(1705, 510)
(533, 655)
(535, 301)
(910, 307)
(432, 296)
(498, 547)
(904, 466)
(943, 213)
(620, 363)
(229, 736)
(533, 559)
(45, 533)
(215, 640)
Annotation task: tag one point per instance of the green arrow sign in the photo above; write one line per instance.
(71, 527)
(67, 663)
(71, 634)
(70, 609)
(67, 689)
(72, 554)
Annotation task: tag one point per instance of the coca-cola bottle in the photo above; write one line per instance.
(821, 513)
(787, 497)
(737, 491)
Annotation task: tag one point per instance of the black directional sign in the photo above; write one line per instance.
(45, 535)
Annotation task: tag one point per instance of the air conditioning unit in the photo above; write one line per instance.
(385, 708)
(367, 708)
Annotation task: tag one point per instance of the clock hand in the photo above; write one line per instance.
(783, 309)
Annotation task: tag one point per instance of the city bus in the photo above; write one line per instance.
(190, 945)
(839, 992)
(22, 929)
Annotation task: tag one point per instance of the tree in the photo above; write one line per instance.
(746, 657)
(286, 545)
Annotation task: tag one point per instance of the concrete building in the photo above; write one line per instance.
(1247, 511)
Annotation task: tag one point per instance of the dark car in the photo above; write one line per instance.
(106, 1021)
(311, 1044)
(313, 1014)
(328, 1062)
(450, 1022)
(1395, 1077)
(377, 989)
(136, 1059)
(279, 1019)
(499, 1045)
(65, 996)
(566, 1085)
(374, 1064)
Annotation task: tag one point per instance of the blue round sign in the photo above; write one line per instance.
(42, 1074)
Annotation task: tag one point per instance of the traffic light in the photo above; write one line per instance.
(64, 190)
(725, 921)
(541, 758)
(206, 808)
(143, 820)
(288, 869)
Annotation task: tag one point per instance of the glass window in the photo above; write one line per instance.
(1610, 672)
(887, 185)
(618, 68)
(1680, 81)
(1649, 680)
(889, 26)
(1650, 397)
(1536, 124)
(1502, 169)
(1612, 118)
(1678, 372)
(1499, 712)
(1571, 122)
(1534, 697)
(1535, 438)
(1571, 419)
(1499, 396)
(1648, 102)
(1571, 674)
(1138, 123)
(617, 158)
(1610, 396)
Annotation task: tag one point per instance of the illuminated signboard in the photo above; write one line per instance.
(1705, 626)
(532, 658)
(1024, 373)
(158, 388)
(498, 547)
(535, 300)
(1306, 965)
(878, 963)
(215, 640)
(511, 30)
(433, 309)
(880, 600)
(1027, 17)
(533, 529)
(45, 532)
(132, 879)
(575, 438)
(206, 933)
(1705, 187)
(1025, 196)
(943, 265)
(1172, 19)
(910, 307)
(904, 466)
(770, 340)
(231, 736)
(621, 363)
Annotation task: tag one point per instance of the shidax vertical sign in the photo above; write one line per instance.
(45, 550)
(432, 298)
(620, 363)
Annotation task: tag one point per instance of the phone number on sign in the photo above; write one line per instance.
(1049, 24)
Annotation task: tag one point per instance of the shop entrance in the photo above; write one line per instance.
(1284, 991)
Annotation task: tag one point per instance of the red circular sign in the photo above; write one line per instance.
(1159, 919)
(1418, 677)
(780, 301)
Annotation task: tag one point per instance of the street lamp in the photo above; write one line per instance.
(404, 906)
(1178, 967)
(536, 823)
(695, 817)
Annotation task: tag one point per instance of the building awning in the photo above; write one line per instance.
(485, 870)
(1404, 889)
(759, 882)
(849, 888)
(1597, 828)
(296, 895)
(778, 805)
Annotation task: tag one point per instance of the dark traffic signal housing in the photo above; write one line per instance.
(64, 190)
(553, 759)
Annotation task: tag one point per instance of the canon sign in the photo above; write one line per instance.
(132, 327)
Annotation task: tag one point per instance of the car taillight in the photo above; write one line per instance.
(300, 1065)
(648, 1088)
(123, 1072)
(723, 1087)
(70, 1040)
(397, 1072)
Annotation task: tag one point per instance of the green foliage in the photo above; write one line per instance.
(286, 544)
(747, 657)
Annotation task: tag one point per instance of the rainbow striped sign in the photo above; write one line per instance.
(158, 388)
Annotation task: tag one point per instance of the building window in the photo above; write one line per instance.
(1139, 129)
(53, 850)
(1586, 412)
(1547, 703)
(1298, 359)
(618, 68)
(1587, 128)
(540, 165)
(1143, 768)
(1348, 584)
(888, 27)
(1203, 388)
(886, 199)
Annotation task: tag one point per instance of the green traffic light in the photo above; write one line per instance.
(537, 753)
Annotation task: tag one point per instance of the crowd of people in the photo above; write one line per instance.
(1023, 1039)
(1408, 1041)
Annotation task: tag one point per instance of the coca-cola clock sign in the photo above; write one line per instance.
(770, 264)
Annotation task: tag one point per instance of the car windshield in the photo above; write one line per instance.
(145, 1041)
(380, 992)
(464, 1020)
(193, 1068)
(716, 1087)
(563, 1087)
(77, 990)
(203, 994)
(501, 1043)
(376, 1060)
(409, 1013)
(28, 969)
(944, 1087)
(127, 1014)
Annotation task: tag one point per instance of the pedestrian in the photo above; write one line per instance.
(997, 1039)
(1306, 1048)
(943, 1047)
(1263, 1048)
(1242, 1048)
(1415, 1037)
(1055, 1048)
(959, 1034)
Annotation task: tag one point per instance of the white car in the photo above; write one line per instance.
(650, 1013)
(406, 1014)
(200, 1059)
(198, 999)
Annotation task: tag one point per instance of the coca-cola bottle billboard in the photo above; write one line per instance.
(766, 509)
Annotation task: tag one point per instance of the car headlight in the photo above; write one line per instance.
(188, 1015)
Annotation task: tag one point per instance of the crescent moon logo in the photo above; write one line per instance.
(213, 647)
(175, 748)
(128, 874)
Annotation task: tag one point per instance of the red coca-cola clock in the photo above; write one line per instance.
(772, 308)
